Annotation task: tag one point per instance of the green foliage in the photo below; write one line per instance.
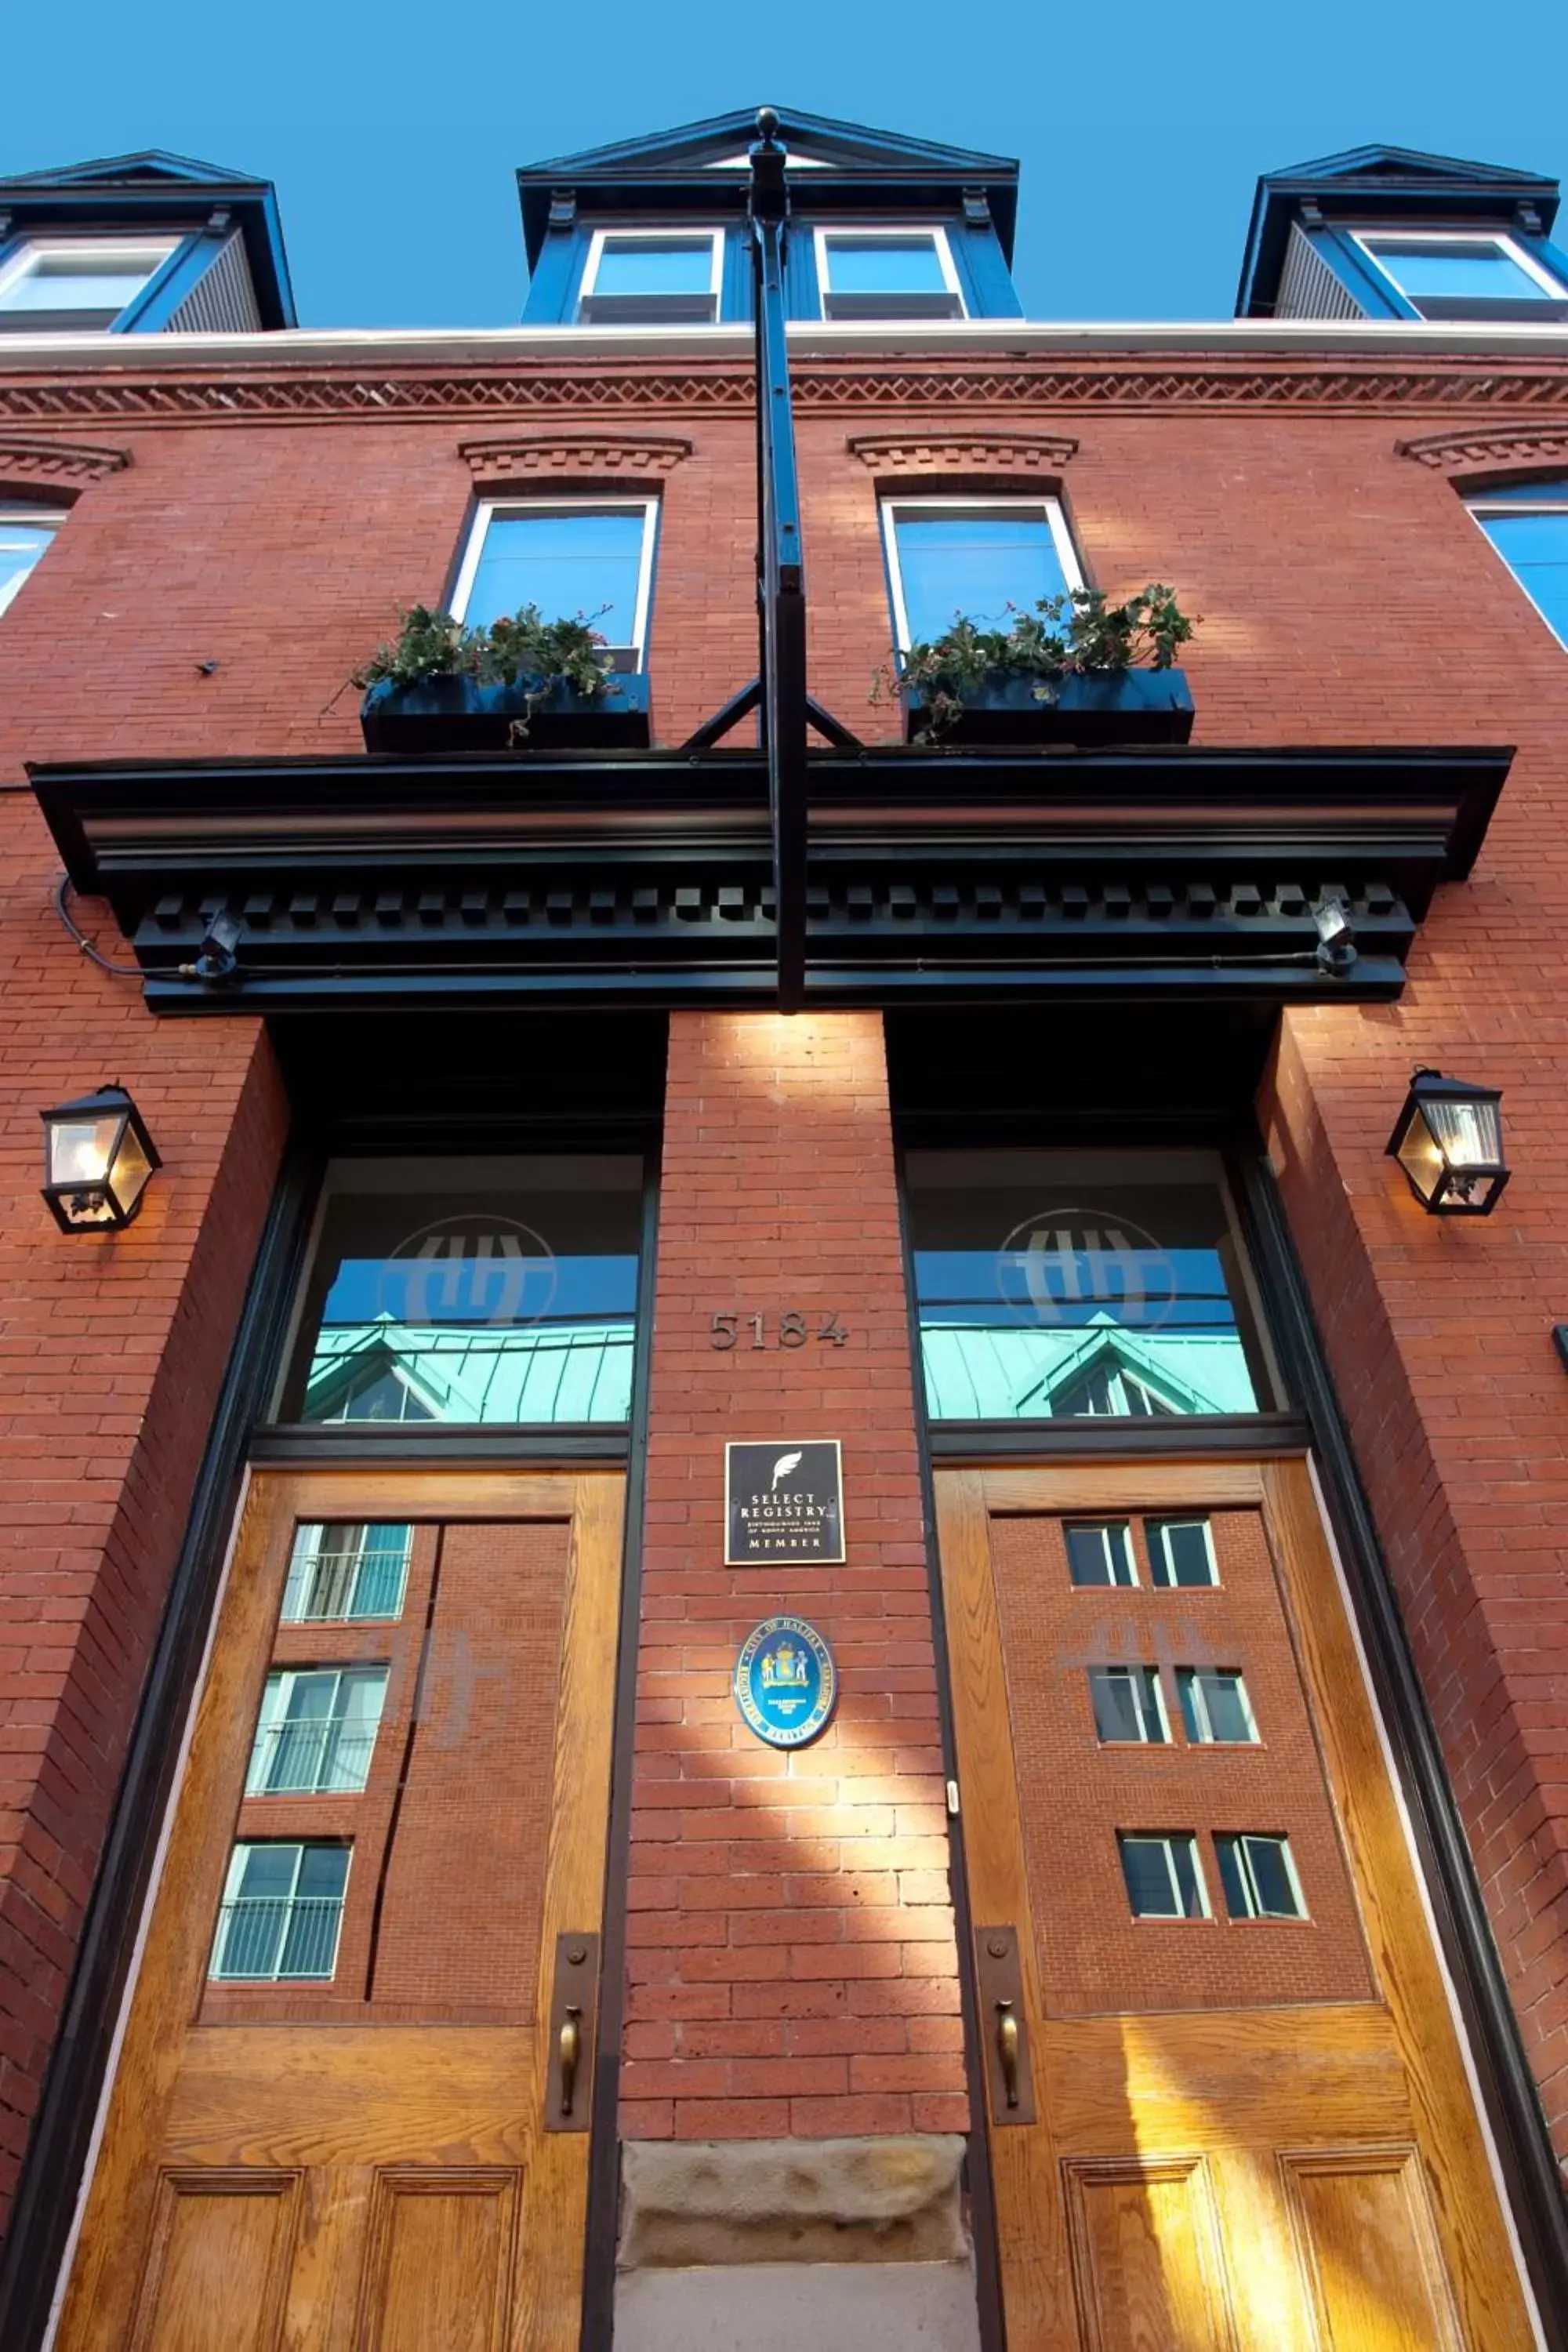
(519, 649)
(1079, 634)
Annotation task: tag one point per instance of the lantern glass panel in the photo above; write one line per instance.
(1419, 1156)
(81, 1149)
(1467, 1134)
(132, 1168)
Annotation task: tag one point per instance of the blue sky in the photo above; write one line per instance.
(392, 131)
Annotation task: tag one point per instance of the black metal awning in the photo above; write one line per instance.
(652, 876)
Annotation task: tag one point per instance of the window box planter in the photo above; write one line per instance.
(1130, 706)
(455, 714)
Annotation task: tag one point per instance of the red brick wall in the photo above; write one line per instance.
(113, 1349)
(792, 1960)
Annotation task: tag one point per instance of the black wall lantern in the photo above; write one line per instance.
(98, 1157)
(1449, 1140)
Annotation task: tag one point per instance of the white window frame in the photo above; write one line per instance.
(155, 250)
(305, 1564)
(1155, 1533)
(273, 1720)
(1367, 239)
(1101, 1529)
(665, 234)
(1550, 497)
(628, 657)
(1151, 1680)
(17, 510)
(242, 1848)
(894, 507)
(1192, 1688)
(886, 232)
(1240, 1840)
(1166, 1839)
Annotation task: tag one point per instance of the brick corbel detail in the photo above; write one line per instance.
(67, 464)
(1468, 453)
(558, 457)
(914, 454)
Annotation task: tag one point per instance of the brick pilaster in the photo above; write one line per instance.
(791, 1962)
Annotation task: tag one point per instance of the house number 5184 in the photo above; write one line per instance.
(791, 1330)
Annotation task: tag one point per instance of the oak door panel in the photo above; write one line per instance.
(365, 2153)
(1230, 2149)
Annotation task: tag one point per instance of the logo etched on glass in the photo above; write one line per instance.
(476, 1269)
(1067, 1265)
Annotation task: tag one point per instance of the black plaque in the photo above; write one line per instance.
(783, 1501)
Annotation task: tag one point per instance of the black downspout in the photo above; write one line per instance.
(780, 576)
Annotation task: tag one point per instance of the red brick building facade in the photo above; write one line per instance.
(244, 515)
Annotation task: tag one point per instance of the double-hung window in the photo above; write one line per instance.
(588, 558)
(1100, 1551)
(1447, 274)
(643, 276)
(1129, 1705)
(984, 559)
(1163, 1874)
(25, 534)
(282, 1908)
(1215, 1709)
(78, 282)
(339, 1572)
(316, 1731)
(1181, 1552)
(886, 273)
(1527, 525)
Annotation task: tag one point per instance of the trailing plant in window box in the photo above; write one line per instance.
(1068, 654)
(440, 684)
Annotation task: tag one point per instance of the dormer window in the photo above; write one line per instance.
(80, 283)
(886, 273)
(652, 276)
(1444, 274)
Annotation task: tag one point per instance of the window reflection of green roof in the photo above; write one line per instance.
(974, 1374)
(542, 1372)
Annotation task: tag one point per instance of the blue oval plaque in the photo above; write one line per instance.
(785, 1681)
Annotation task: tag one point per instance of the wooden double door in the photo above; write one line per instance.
(1228, 2109)
(349, 2112)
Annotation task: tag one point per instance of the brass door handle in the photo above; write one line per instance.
(571, 2048)
(1007, 2048)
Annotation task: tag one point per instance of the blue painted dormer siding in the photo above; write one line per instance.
(846, 177)
(1303, 257)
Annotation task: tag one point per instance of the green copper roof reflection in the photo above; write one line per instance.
(543, 1372)
(974, 1374)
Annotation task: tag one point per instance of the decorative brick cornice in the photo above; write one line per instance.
(916, 454)
(629, 457)
(336, 395)
(69, 464)
(1465, 453)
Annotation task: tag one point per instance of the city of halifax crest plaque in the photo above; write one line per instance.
(785, 1681)
(783, 1502)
